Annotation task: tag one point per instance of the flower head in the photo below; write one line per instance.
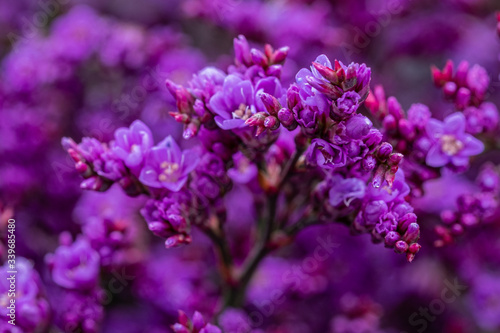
(132, 144)
(451, 145)
(325, 154)
(234, 103)
(167, 166)
(75, 266)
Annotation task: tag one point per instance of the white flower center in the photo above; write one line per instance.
(168, 169)
(450, 145)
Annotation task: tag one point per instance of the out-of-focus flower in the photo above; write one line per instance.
(75, 266)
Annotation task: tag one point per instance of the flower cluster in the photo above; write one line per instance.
(240, 195)
(472, 208)
(428, 143)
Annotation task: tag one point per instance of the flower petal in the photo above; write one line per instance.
(434, 129)
(436, 158)
(472, 146)
(455, 124)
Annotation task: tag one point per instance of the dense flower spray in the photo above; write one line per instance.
(241, 197)
(308, 143)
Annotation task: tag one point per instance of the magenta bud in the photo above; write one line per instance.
(327, 73)
(180, 117)
(373, 138)
(199, 108)
(94, 183)
(395, 159)
(391, 238)
(81, 167)
(190, 131)
(177, 240)
(280, 55)
(469, 220)
(384, 151)
(461, 75)
(463, 98)
(406, 220)
(274, 70)
(358, 126)
(456, 229)
(414, 248)
(449, 89)
(198, 321)
(292, 96)
(259, 58)
(183, 319)
(379, 176)
(400, 246)
(448, 216)
(389, 176)
(272, 123)
(395, 108)
(242, 51)
(412, 233)
(447, 72)
(406, 129)
(286, 117)
(257, 119)
(271, 103)
(389, 122)
(172, 87)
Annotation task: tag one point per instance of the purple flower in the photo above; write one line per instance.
(451, 144)
(234, 103)
(346, 105)
(132, 144)
(75, 266)
(31, 310)
(207, 82)
(325, 154)
(167, 166)
(344, 191)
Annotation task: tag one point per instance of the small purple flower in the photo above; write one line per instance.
(165, 218)
(344, 191)
(132, 144)
(451, 144)
(30, 310)
(75, 266)
(325, 154)
(167, 166)
(234, 103)
(207, 82)
(346, 106)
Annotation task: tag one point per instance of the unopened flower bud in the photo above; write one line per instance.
(401, 246)
(358, 126)
(391, 238)
(463, 98)
(412, 233)
(272, 123)
(258, 58)
(271, 103)
(384, 151)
